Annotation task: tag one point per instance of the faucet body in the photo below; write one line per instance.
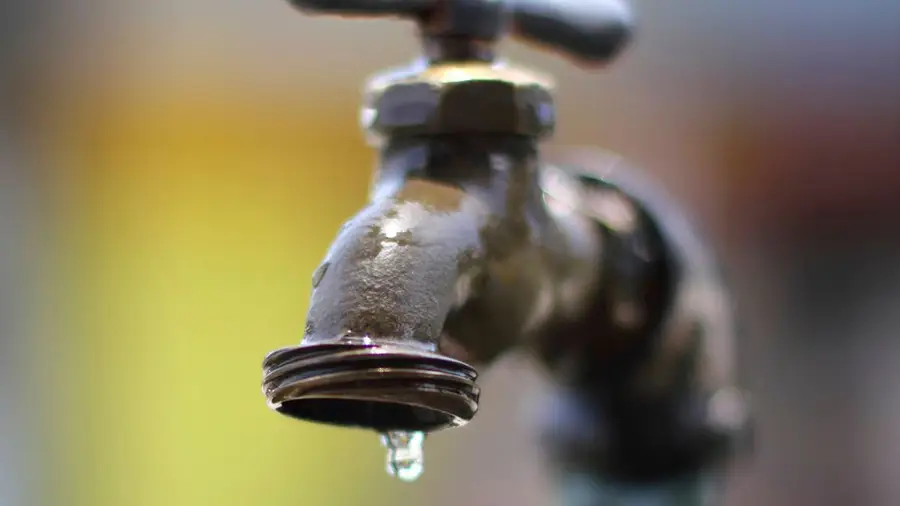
(455, 251)
(472, 246)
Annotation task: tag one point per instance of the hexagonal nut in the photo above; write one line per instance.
(461, 98)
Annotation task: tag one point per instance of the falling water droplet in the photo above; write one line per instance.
(319, 274)
(405, 458)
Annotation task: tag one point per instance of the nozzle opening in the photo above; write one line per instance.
(382, 416)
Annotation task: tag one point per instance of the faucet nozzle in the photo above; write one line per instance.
(382, 387)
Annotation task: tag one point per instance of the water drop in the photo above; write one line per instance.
(319, 274)
(405, 458)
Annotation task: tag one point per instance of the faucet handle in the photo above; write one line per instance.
(588, 31)
(367, 8)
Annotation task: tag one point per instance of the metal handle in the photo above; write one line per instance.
(590, 31)
(366, 7)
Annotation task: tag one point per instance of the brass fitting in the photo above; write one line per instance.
(459, 98)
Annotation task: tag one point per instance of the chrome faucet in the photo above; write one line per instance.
(472, 246)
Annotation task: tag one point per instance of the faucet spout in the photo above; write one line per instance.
(445, 267)
(470, 247)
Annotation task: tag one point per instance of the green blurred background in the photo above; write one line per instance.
(191, 206)
(182, 271)
(175, 170)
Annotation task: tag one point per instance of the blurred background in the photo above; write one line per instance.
(171, 172)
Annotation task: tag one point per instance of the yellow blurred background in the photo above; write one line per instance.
(192, 208)
(191, 226)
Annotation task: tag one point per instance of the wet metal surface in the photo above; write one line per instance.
(472, 246)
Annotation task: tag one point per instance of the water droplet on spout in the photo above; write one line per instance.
(319, 274)
(405, 458)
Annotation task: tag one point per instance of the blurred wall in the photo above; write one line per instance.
(200, 156)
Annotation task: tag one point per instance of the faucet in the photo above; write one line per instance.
(472, 246)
